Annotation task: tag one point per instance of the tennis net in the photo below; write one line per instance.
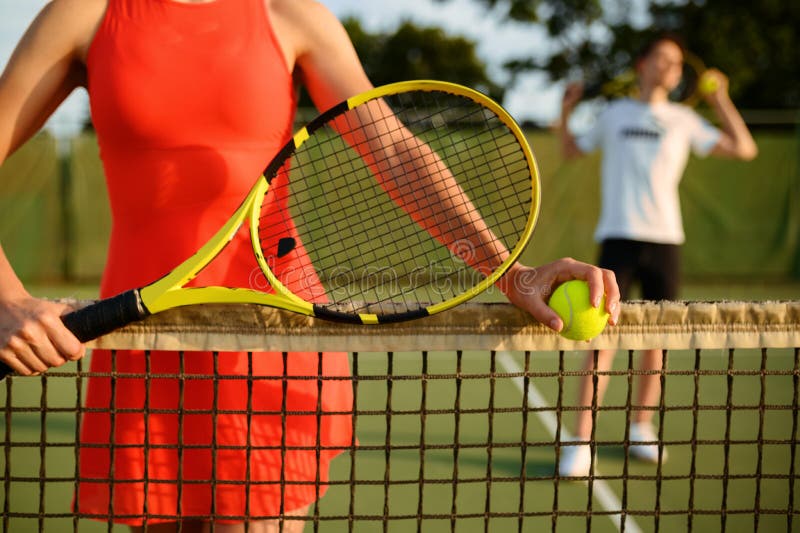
(460, 422)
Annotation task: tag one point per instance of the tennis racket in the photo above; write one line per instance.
(688, 91)
(396, 204)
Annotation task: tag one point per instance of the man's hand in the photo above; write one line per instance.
(713, 86)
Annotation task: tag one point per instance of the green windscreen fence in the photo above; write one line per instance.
(90, 213)
(31, 210)
(742, 219)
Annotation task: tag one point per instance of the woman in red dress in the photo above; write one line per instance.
(201, 93)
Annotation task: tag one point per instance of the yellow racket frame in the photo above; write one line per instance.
(170, 291)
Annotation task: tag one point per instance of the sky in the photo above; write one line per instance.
(532, 98)
(15, 16)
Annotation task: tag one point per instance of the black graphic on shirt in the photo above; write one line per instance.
(640, 133)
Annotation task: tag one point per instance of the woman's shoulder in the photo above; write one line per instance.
(70, 12)
(305, 24)
(72, 22)
(303, 14)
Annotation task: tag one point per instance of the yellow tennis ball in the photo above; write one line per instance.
(581, 321)
(708, 84)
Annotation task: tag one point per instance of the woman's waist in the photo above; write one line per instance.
(155, 181)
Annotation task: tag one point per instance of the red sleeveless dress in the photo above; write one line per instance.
(190, 101)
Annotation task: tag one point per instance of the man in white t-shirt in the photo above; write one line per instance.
(645, 144)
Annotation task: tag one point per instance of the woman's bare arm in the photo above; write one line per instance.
(46, 66)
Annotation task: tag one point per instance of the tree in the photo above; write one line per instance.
(756, 43)
(412, 52)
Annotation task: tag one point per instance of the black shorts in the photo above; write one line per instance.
(655, 266)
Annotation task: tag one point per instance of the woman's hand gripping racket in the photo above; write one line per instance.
(398, 203)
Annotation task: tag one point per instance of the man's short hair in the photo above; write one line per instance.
(652, 42)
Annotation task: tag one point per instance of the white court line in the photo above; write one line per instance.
(608, 500)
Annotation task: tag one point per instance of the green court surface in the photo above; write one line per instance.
(489, 411)
(741, 455)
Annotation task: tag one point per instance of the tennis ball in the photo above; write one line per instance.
(708, 84)
(581, 321)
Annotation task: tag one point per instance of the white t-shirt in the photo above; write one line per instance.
(645, 151)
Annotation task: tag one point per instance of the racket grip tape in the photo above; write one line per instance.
(105, 316)
(100, 318)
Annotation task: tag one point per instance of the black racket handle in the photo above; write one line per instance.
(100, 318)
(105, 316)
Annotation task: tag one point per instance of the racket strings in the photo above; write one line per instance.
(503, 156)
(379, 277)
(462, 162)
(367, 251)
(372, 275)
(406, 283)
